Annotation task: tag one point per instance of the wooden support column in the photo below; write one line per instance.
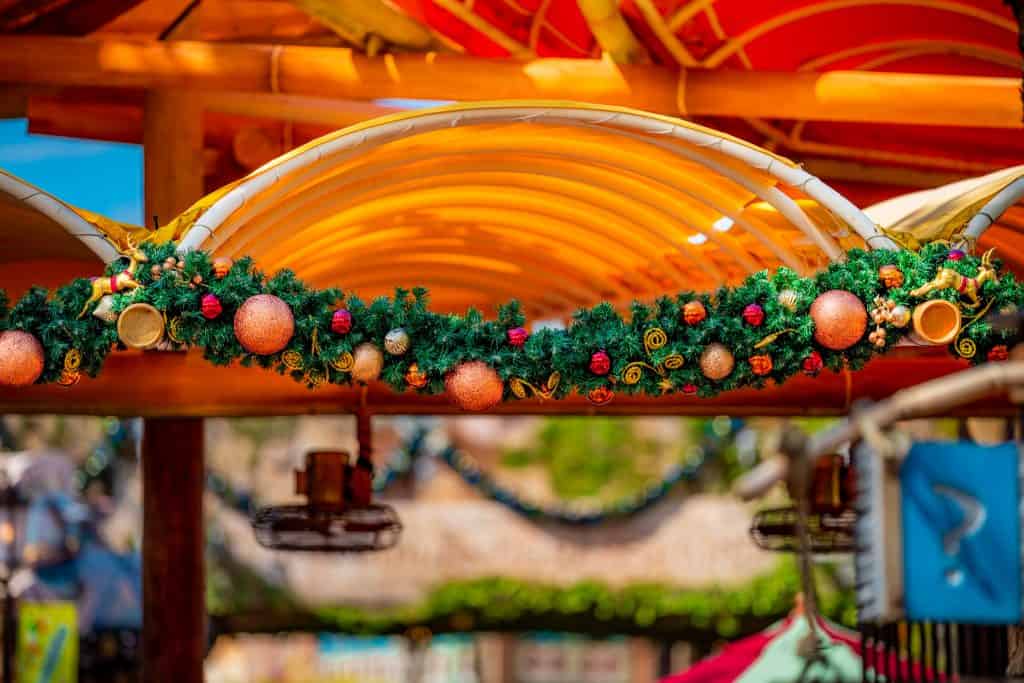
(172, 139)
(173, 582)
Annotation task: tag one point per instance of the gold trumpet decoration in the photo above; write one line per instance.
(654, 339)
(520, 386)
(967, 287)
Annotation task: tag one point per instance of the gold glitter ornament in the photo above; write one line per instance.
(716, 362)
(474, 385)
(264, 324)
(367, 362)
(396, 342)
(840, 319)
(21, 358)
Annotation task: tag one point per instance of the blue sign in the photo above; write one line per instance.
(961, 533)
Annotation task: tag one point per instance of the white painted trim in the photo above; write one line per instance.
(680, 138)
(60, 213)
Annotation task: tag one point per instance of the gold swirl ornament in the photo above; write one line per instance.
(654, 339)
(520, 387)
(966, 347)
(174, 330)
(292, 360)
(343, 363)
(315, 378)
(70, 375)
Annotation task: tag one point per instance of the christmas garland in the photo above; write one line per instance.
(767, 329)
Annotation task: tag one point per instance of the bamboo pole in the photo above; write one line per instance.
(326, 72)
(939, 396)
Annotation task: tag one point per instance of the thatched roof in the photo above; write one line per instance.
(695, 542)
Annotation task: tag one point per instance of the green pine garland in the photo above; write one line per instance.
(440, 342)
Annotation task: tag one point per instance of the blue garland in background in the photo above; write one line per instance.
(414, 447)
(466, 467)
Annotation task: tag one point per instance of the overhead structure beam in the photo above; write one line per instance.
(183, 384)
(332, 73)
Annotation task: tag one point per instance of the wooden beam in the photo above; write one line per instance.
(173, 580)
(183, 384)
(877, 97)
(61, 17)
(104, 115)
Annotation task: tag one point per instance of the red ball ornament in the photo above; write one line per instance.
(600, 363)
(813, 364)
(210, 306)
(21, 358)
(694, 312)
(689, 389)
(999, 353)
(753, 315)
(517, 336)
(341, 321)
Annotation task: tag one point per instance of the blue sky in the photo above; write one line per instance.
(105, 177)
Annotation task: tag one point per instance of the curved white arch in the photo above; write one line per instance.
(58, 212)
(687, 141)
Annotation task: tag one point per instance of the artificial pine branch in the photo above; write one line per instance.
(440, 341)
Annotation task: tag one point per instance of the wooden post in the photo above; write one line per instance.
(172, 139)
(173, 584)
(496, 657)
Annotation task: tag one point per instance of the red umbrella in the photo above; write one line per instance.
(776, 652)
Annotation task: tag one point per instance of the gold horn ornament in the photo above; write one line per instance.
(936, 322)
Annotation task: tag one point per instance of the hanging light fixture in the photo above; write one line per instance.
(830, 518)
(339, 514)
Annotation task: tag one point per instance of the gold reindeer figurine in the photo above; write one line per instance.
(968, 287)
(125, 280)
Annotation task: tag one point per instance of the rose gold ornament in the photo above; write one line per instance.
(474, 385)
(367, 361)
(716, 362)
(264, 324)
(21, 358)
(840, 319)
